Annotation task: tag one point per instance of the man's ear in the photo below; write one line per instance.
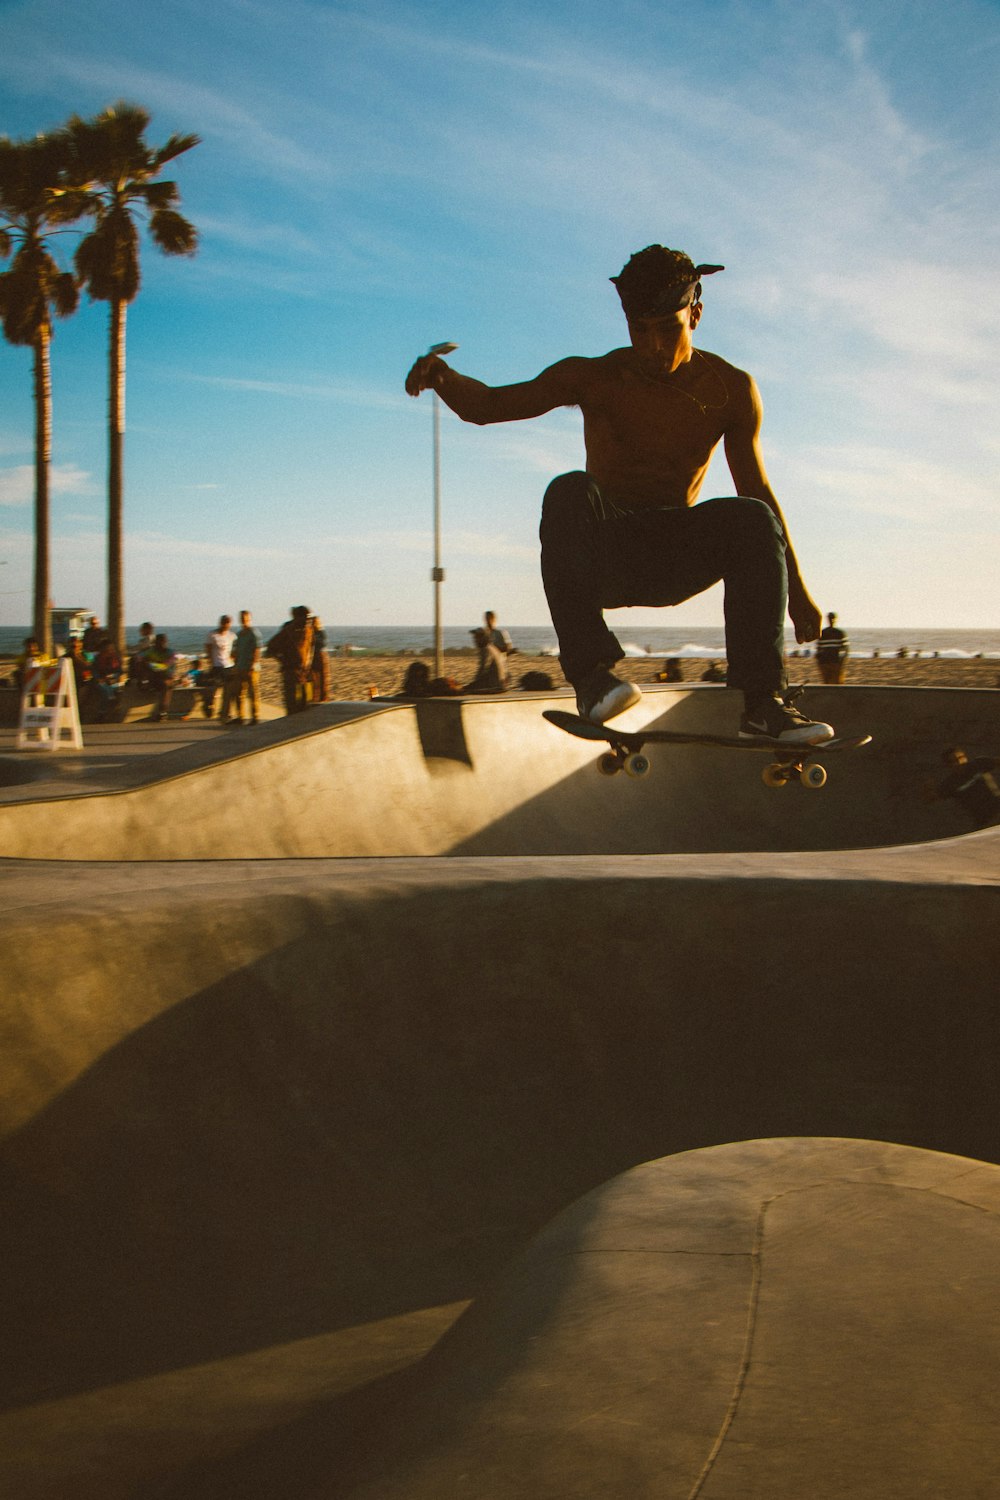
(695, 315)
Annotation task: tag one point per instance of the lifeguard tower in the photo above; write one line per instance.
(67, 623)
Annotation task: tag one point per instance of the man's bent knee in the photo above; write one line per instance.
(746, 523)
(759, 519)
(567, 493)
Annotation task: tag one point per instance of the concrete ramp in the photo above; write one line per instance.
(268, 1125)
(774, 1318)
(492, 778)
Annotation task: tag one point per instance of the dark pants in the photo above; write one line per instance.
(596, 556)
(162, 684)
(224, 677)
(296, 687)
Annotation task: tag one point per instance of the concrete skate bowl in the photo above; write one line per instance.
(270, 1124)
(493, 778)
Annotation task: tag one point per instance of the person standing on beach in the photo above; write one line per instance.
(246, 658)
(93, 636)
(221, 671)
(627, 531)
(831, 651)
(294, 646)
(320, 664)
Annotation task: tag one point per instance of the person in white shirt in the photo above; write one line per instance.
(496, 636)
(221, 669)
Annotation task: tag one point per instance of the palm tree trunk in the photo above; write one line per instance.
(42, 618)
(116, 453)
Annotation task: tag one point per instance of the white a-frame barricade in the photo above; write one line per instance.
(50, 716)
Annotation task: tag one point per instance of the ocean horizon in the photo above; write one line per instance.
(536, 640)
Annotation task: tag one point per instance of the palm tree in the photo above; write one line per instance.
(32, 205)
(117, 173)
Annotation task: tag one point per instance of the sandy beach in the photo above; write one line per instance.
(355, 677)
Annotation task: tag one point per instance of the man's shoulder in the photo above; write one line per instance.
(727, 371)
(573, 374)
(742, 406)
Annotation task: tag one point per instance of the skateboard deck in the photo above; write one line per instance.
(787, 762)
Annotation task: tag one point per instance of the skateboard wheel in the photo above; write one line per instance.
(774, 776)
(814, 776)
(637, 765)
(609, 765)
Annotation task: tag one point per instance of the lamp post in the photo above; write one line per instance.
(437, 572)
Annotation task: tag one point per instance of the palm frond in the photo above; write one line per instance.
(107, 259)
(174, 234)
(162, 194)
(65, 294)
(174, 147)
(25, 309)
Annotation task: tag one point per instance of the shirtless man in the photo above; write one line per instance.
(627, 531)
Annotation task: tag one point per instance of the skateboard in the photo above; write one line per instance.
(787, 763)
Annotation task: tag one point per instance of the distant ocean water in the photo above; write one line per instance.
(536, 640)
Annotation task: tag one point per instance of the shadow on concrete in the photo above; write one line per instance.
(370, 1118)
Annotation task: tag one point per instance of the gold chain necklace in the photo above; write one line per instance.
(664, 381)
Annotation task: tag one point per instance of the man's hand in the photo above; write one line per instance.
(424, 374)
(804, 612)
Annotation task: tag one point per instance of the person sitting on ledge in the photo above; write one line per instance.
(672, 671)
(627, 530)
(137, 671)
(416, 680)
(107, 677)
(30, 657)
(972, 784)
(491, 676)
(82, 670)
(162, 674)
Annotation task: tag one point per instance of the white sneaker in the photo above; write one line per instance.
(602, 695)
(773, 719)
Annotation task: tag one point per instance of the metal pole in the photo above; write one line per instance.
(437, 572)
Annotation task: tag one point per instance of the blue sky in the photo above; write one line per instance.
(373, 179)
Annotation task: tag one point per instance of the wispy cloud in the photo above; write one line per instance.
(166, 545)
(880, 481)
(304, 390)
(543, 449)
(909, 306)
(17, 485)
(217, 115)
(459, 543)
(261, 237)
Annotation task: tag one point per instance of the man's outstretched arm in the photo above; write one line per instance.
(473, 401)
(746, 464)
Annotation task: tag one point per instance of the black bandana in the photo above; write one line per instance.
(658, 281)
